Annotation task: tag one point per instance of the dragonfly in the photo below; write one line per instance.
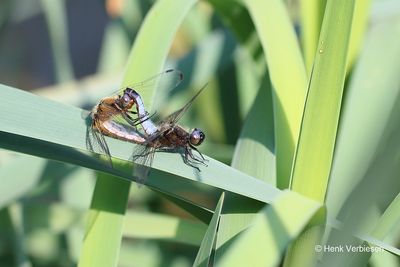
(166, 136)
(115, 116)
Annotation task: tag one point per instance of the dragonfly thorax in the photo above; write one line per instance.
(197, 137)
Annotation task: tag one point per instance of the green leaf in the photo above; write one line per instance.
(376, 114)
(163, 227)
(51, 129)
(56, 19)
(194, 209)
(388, 221)
(16, 181)
(317, 137)
(359, 25)
(288, 77)
(254, 152)
(312, 13)
(104, 227)
(253, 155)
(314, 152)
(273, 229)
(204, 253)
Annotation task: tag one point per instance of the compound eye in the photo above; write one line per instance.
(197, 137)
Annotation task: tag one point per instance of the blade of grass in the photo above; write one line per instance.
(254, 152)
(388, 221)
(194, 209)
(335, 224)
(312, 12)
(105, 221)
(273, 229)
(46, 126)
(314, 152)
(204, 254)
(55, 14)
(375, 112)
(163, 227)
(115, 48)
(61, 218)
(236, 17)
(360, 19)
(284, 60)
(16, 181)
(254, 155)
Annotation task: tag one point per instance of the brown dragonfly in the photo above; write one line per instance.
(166, 136)
(114, 116)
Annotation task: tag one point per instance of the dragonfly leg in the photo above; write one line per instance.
(202, 160)
(133, 122)
(143, 118)
(191, 159)
(189, 162)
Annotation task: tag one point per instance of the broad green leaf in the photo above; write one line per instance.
(56, 19)
(359, 25)
(236, 216)
(255, 150)
(312, 13)
(75, 191)
(115, 48)
(237, 18)
(389, 220)
(194, 209)
(383, 259)
(16, 181)
(249, 77)
(265, 241)
(204, 254)
(163, 227)
(254, 155)
(302, 251)
(105, 221)
(288, 78)
(314, 153)
(338, 226)
(372, 103)
(50, 129)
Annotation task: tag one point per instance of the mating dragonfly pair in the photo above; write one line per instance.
(124, 117)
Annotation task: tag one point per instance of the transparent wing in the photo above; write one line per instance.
(96, 142)
(168, 79)
(143, 157)
(177, 115)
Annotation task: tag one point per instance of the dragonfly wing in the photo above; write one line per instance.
(167, 79)
(143, 158)
(177, 115)
(96, 142)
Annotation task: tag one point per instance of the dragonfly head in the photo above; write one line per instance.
(126, 99)
(197, 137)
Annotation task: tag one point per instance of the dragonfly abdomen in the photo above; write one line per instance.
(121, 132)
